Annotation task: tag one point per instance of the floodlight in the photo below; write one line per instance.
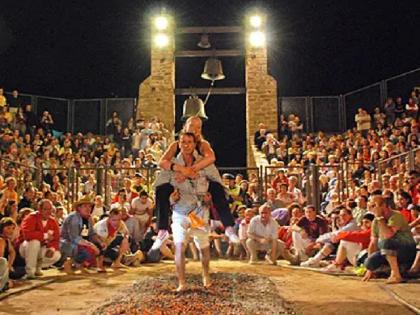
(257, 39)
(255, 21)
(161, 23)
(161, 40)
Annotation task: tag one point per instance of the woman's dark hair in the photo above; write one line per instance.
(6, 221)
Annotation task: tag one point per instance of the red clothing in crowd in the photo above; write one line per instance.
(362, 237)
(33, 229)
(406, 214)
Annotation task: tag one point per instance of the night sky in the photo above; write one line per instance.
(96, 48)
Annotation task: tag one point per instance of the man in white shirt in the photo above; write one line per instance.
(142, 209)
(262, 235)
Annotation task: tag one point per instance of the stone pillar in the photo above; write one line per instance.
(261, 95)
(157, 92)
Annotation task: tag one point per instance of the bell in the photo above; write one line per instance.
(193, 106)
(213, 70)
(204, 41)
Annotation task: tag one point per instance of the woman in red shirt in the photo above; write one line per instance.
(351, 243)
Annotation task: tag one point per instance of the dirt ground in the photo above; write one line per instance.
(306, 292)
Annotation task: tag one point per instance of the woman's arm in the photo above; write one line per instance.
(208, 157)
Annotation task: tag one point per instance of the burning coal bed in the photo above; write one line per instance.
(230, 293)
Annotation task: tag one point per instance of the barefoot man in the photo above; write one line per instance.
(190, 214)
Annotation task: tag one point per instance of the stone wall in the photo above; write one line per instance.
(156, 92)
(261, 97)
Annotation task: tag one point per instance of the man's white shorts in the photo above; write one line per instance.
(181, 231)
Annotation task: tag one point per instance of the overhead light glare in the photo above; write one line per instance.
(257, 39)
(161, 40)
(161, 23)
(255, 21)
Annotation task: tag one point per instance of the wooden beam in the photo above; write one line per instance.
(214, 91)
(208, 29)
(209, 53)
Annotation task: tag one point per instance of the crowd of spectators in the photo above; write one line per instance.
(47, 224)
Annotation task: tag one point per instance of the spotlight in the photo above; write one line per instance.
(161, 23)
(255, 21)
(257, 39)
(161, 40)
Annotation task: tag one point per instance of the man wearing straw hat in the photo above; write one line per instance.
(78, 237)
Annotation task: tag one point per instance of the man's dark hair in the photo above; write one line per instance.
(143, 194)
(369, 216)
(115, 211)
(189, 134)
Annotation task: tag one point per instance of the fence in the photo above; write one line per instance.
(336, 113)
(81, 115)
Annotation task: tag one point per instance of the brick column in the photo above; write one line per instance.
(261, 96)
(156, 92)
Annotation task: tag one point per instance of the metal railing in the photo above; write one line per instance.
(316, 111)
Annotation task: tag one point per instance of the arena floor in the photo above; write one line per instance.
(302, 291)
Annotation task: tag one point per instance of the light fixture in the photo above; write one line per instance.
(257, 39)
(161, 23)
(161, 40)
(255, 21)
(204, 41)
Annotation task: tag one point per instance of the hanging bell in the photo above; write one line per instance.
(204, 41)
(193, 106)
(213, 70)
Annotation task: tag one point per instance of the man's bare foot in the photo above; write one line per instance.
(206, 282)
(118, 266)
(11, 284)
(67, 267)
(394, 280)
(83, 270)
(101, 270)
(181, 287)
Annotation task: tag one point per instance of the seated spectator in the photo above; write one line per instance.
(243, 230)
(284, 196)
(270, 146)
(351, 243)
(112, 239)
(99, 209)
(133, 228)
(262, 236)
(142, 209)
(28, 198)
(295, 213)
(306, 231)
(77, 237)
(279, 179)
(391, 241)
(9, 193)
(146, 245)
(361, 209)
(328, 241)
(296, 192)
(260, 135)
(120, 200)
(39, 239)
(7, 252)
(272, 199)
(404, 201)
